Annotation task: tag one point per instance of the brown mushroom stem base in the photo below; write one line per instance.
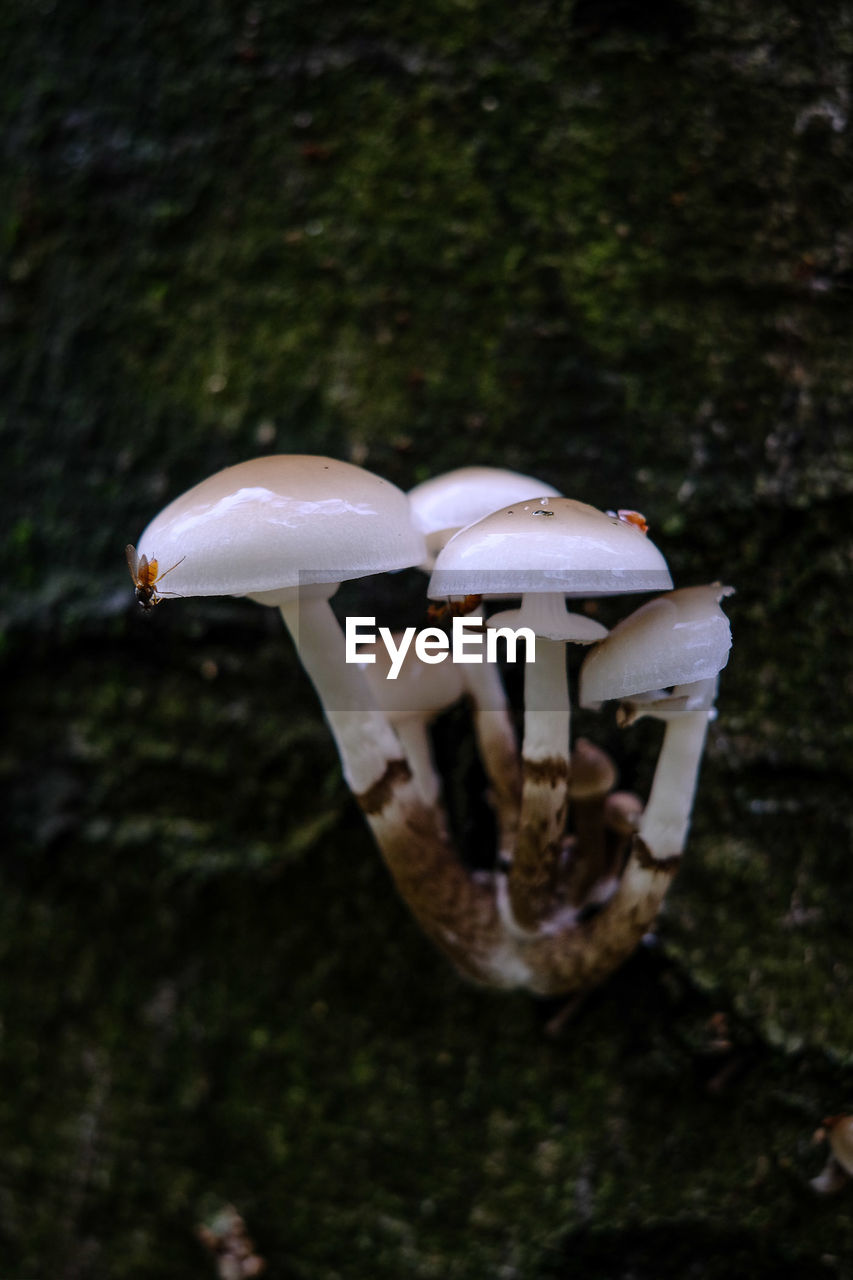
(538, 852)
(459, 910)
(545, 780)
(454, 908)
(464, 912)
(579, 957)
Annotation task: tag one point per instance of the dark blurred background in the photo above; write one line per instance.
(607, 243)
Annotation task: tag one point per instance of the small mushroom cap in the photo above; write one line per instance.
(622, 812)
(282, 521)
(444, 504)
(592, 773)
(677, 639)
(553, 544)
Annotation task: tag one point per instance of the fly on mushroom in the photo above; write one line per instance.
(145, 577)
(636, 518)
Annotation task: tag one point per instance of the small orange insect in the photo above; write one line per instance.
(145, 577)
(635, 518)
(453, 608)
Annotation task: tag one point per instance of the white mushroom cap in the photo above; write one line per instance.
(444, 504)
(553, 544)
(282, 521)
(677, 639)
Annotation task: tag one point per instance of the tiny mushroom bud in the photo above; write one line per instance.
(545, 551)
(593, 773)
(622, 812)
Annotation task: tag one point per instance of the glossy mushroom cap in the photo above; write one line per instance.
(550, 545)
(676, 639)
(444, 504)
(279, 522)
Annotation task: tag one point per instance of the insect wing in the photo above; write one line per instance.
(636, 518)
(132, 562)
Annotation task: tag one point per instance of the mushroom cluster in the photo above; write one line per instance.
(580, 869)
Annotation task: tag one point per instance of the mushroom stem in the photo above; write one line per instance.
(455, 909)
(545, 754)
(544, 796)
(413, 732)
(497, 746)
(366, 743)
(666, 817)
(411, 699)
